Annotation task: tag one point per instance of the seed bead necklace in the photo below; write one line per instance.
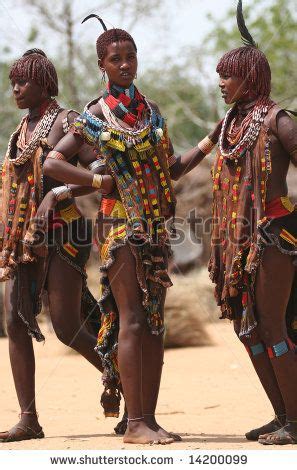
(255, 118)
(41, 131)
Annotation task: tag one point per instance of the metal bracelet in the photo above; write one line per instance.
(62, 192)
(135, 419)
(96, 164)
(97, 181)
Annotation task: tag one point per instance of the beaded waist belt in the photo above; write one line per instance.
(64, 216)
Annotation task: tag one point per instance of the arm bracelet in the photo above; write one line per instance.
(62, 192)
(206, 145)
(96, 164)
(97, 181)
(56, 155)
(172, 160)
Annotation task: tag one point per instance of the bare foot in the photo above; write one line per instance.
(138, 432)
(152, 423)
(27, 428)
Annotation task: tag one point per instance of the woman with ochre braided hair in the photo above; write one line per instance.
(56, 258)
(254, 237)
(130, 136)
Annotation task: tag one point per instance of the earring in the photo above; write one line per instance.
(135, 76)
(103, 78)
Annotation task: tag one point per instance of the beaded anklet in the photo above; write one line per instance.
(255, 349)
(280, 348)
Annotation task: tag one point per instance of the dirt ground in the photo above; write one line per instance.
(210, 395)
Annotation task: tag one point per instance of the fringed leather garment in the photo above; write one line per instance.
(240, 227)
(69, 234)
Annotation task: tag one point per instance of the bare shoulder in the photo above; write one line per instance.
(56, 132)
(96, 109)
(61, 115)
(284, 118)
(71, 115)
(64, 119)
(58, 123)
(279, 121)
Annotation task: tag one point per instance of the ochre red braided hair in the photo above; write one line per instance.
(110, 36)
(248, 63)
(35, 65)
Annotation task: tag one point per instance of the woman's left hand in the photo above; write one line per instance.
(47, 205)
(41, 224)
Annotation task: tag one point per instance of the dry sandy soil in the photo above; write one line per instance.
(210, 395)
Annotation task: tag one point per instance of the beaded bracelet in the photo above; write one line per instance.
(172, 160)
(206, 145)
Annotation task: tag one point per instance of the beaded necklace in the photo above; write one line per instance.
(126, 104)
(255, 118)
(40, 132)
(146, 133)
(137, 159)
(235, 133)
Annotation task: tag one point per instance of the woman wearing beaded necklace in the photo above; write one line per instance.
(26, 265)
(254, 237)
(129, 135)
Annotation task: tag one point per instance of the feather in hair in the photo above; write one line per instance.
(98, 18)
(245, 34)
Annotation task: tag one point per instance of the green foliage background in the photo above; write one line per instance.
(185, 92)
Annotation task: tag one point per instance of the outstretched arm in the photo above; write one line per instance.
(189, 160)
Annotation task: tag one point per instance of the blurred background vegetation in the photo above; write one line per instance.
(186, 89)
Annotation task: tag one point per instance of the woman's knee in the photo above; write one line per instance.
(132, 323)
(67, 335)
(15, 327)
(66, 320)
(272, 332)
